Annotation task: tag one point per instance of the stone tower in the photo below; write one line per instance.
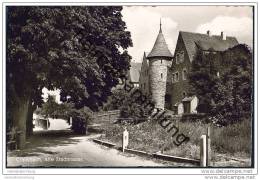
(159, 58)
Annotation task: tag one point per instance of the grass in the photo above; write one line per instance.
(233, 138)
(151, 137)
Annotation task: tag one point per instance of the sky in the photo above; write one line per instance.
(143, 23)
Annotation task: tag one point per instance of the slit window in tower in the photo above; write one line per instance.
(184, 74)
(161, 75)
(161, 61)
(177, 76)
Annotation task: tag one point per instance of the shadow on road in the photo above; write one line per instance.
(41, 141)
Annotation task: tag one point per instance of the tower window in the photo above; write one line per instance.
(161, 61)
(184, 74)
(177, 76)
(161, 75)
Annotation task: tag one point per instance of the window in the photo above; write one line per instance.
(179, 57)
(161, 75)
(161, 61)
(184, 74)
(175, 77)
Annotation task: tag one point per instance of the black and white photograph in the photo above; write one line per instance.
(129, 86)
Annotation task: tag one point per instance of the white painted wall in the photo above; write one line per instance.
(180, 108)
(193, 104)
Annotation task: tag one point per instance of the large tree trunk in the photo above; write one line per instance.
(29, 122)
(20, 115)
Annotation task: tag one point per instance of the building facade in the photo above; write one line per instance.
(188, 45)
(145, 77)
(164, 76)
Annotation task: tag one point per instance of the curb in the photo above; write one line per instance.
(107, 144)
(152, 155)
(176, 159)
(137, 152)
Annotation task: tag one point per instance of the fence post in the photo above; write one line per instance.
(208, 147)
(203, 151)
(125, 139)
(47, 123)
(70, 123)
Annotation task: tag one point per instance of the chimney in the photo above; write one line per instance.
(209, 33)
(223, 35)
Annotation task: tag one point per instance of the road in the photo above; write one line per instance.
(63, 149)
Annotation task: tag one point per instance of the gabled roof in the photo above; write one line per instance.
(144, 62)
(160, 48)
(205, 42)
(134, 72)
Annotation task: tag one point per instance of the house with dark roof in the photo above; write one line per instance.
(164, 76)
(187, 46)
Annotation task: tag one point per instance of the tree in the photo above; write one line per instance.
(203, 79)
(79, 50)
(50, 108)
(233, 97)
(223, 83)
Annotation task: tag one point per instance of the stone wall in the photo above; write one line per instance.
(158, 77)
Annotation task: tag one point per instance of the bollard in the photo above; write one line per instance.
(125, 139)
(208, 147)
(203, 151)
(47, 122)
(70, 121)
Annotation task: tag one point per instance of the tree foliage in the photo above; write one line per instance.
(223, 83)
(130, 104)
(203, 79)
(51, 108)
(81, 117)
(75, 49)
(80, 50)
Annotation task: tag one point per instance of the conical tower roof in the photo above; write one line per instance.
(160, 48)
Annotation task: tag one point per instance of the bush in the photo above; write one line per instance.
(130, 105)
(199, 117)
(80, 120)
